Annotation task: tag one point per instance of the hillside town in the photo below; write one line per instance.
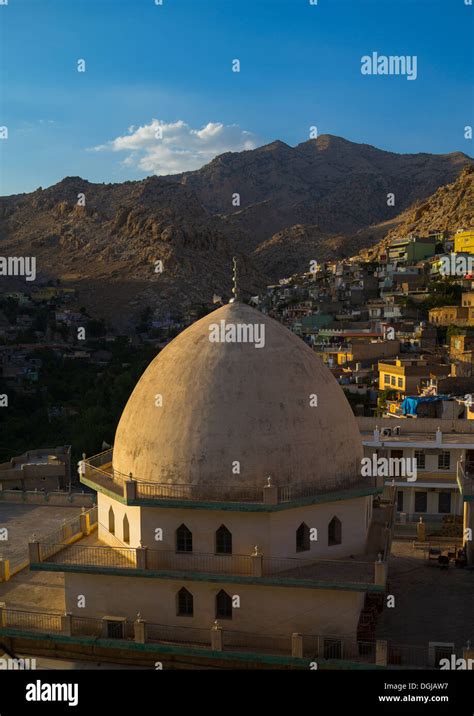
(394, 325)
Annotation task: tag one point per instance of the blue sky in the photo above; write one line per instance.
(300, 67)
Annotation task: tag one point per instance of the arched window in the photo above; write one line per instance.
(302, 538)
(111, 520)
(184, 539)
(334, 532)
(223, 540)
(223, 605)
(184, 603)
(126, 530)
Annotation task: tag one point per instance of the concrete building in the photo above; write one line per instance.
(444, 453)
(435, 490)
(43, 469)
(233, 493)
(411, 249)
(408, 375)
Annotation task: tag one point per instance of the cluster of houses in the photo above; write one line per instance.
(405, 364)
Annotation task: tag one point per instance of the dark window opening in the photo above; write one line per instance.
(223, 540)
(184, 539)
(302, 538)
(334, 532)
(185, 603)
(421, 501)
(444, 502)
(223, 605)
(111, 521)
(400, 501)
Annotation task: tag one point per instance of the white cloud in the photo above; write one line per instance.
(170, 148)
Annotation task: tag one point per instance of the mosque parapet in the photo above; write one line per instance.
(101, 476)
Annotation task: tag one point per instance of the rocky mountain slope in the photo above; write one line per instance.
(450, 208)
(323, 198)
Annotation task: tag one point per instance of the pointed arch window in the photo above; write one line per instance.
(126, 530)
(111, 520)
(302, 538)
(184, 603)
(184, 539)
(223, 605)
(334, 532)
(223, 540)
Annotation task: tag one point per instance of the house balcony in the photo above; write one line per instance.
(98, 473)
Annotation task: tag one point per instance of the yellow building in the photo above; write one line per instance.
(452, 316)
(464, 241)
(406, 376)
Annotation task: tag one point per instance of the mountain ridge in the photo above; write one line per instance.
(316, 198)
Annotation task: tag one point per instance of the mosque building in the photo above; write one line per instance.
(232, 497)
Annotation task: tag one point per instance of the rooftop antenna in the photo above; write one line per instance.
(235, 288)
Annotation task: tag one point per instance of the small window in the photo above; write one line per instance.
(393, 380)
(126, 530)
(302, 538)
(420, 458)
(400, 382)
(400, 501)
(444, 460)
(334, 532)
(223, 605)
(111, 521)
(386, 379)
(332, 648)
(421, 500)
(115, 628)
(223, 540)
(184, 539)
(444, 502)
(185, 603)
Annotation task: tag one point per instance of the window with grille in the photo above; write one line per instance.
(184, 539)
(444, 460)
(420, 458)
(223, 540)
(185, 603)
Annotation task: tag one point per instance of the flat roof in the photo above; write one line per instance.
(428, 439)
(22, 521)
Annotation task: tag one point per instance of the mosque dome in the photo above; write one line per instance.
(209, 412)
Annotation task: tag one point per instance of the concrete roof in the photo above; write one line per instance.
(226, 402)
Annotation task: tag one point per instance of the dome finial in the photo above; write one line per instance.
(235, 288)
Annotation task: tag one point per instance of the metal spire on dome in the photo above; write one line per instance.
(235, 288)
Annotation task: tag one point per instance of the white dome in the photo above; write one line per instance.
(227, 403)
